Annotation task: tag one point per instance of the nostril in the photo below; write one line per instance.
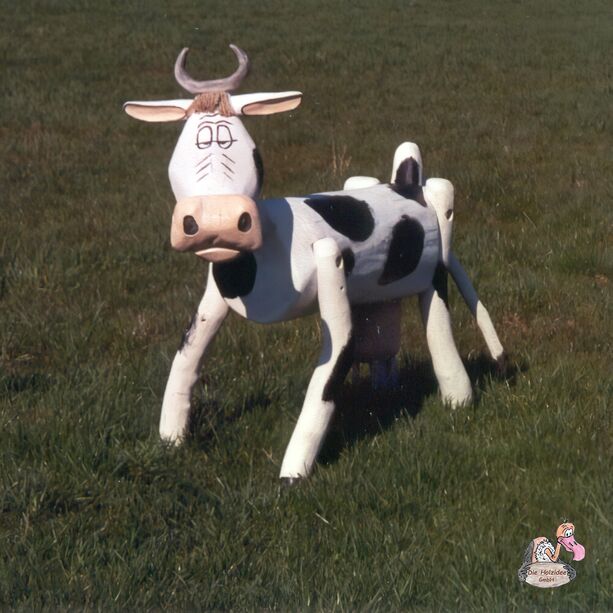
(244, 222)
(190, 227)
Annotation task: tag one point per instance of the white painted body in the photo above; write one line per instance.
(290, 228)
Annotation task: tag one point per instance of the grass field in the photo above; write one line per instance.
(413, 506)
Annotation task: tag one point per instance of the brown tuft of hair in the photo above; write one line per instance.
(211, 102)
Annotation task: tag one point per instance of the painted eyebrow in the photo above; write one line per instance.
(221, 121)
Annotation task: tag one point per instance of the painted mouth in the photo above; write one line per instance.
(218, 254)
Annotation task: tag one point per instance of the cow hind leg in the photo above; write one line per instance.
(448, 368)
(334, 363)
(185, 369)
(477, 309)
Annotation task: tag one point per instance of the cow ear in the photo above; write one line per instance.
(158, 110)
(265, 103)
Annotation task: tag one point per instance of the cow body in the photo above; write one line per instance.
(390, 247)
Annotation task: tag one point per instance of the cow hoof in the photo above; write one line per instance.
(290, 481)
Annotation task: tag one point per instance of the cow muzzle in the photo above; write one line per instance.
(216, 228)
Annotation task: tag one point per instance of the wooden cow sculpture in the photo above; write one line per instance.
(274, 260)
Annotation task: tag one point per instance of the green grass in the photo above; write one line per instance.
(413, 506)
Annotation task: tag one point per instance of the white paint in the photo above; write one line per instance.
(185, 370)
(448, 368)
(214, 155)
(360, 182)
(438, 193)
(335, 314)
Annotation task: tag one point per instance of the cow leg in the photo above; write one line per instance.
(448, 368)
(334, 363)
(478, 310)
(187, 362)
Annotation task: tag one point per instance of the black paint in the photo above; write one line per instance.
(237, 277)
(407, 173)
(439, 282)
(411, 192)
(244, 222)
(406, 181)
(190, 227)
(259, 168)
(348, 260)
(348, 216)
(185, 339)
(405, 250)
(340, 370)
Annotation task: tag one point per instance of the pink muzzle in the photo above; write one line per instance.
(216, 228)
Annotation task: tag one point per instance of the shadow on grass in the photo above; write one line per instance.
(17, 383)
(208, 417)
(362, 412)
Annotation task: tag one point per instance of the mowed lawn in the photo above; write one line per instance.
(413, 506)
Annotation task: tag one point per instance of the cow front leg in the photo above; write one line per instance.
(186, 365)
(334, 363)
(448, 368)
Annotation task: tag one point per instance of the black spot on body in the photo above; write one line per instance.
(439, 282)
(348, 216)
(405, 250)
(259, 168)
(348, 260)
(185, 339)
(237, 277)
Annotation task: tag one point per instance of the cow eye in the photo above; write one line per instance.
(224, 137)
(204, 138)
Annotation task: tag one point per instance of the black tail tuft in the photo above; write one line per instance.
(406, 182)
(407, 174)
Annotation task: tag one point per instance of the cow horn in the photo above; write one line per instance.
(225, 85)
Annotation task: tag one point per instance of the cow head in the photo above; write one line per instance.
(214, 157)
